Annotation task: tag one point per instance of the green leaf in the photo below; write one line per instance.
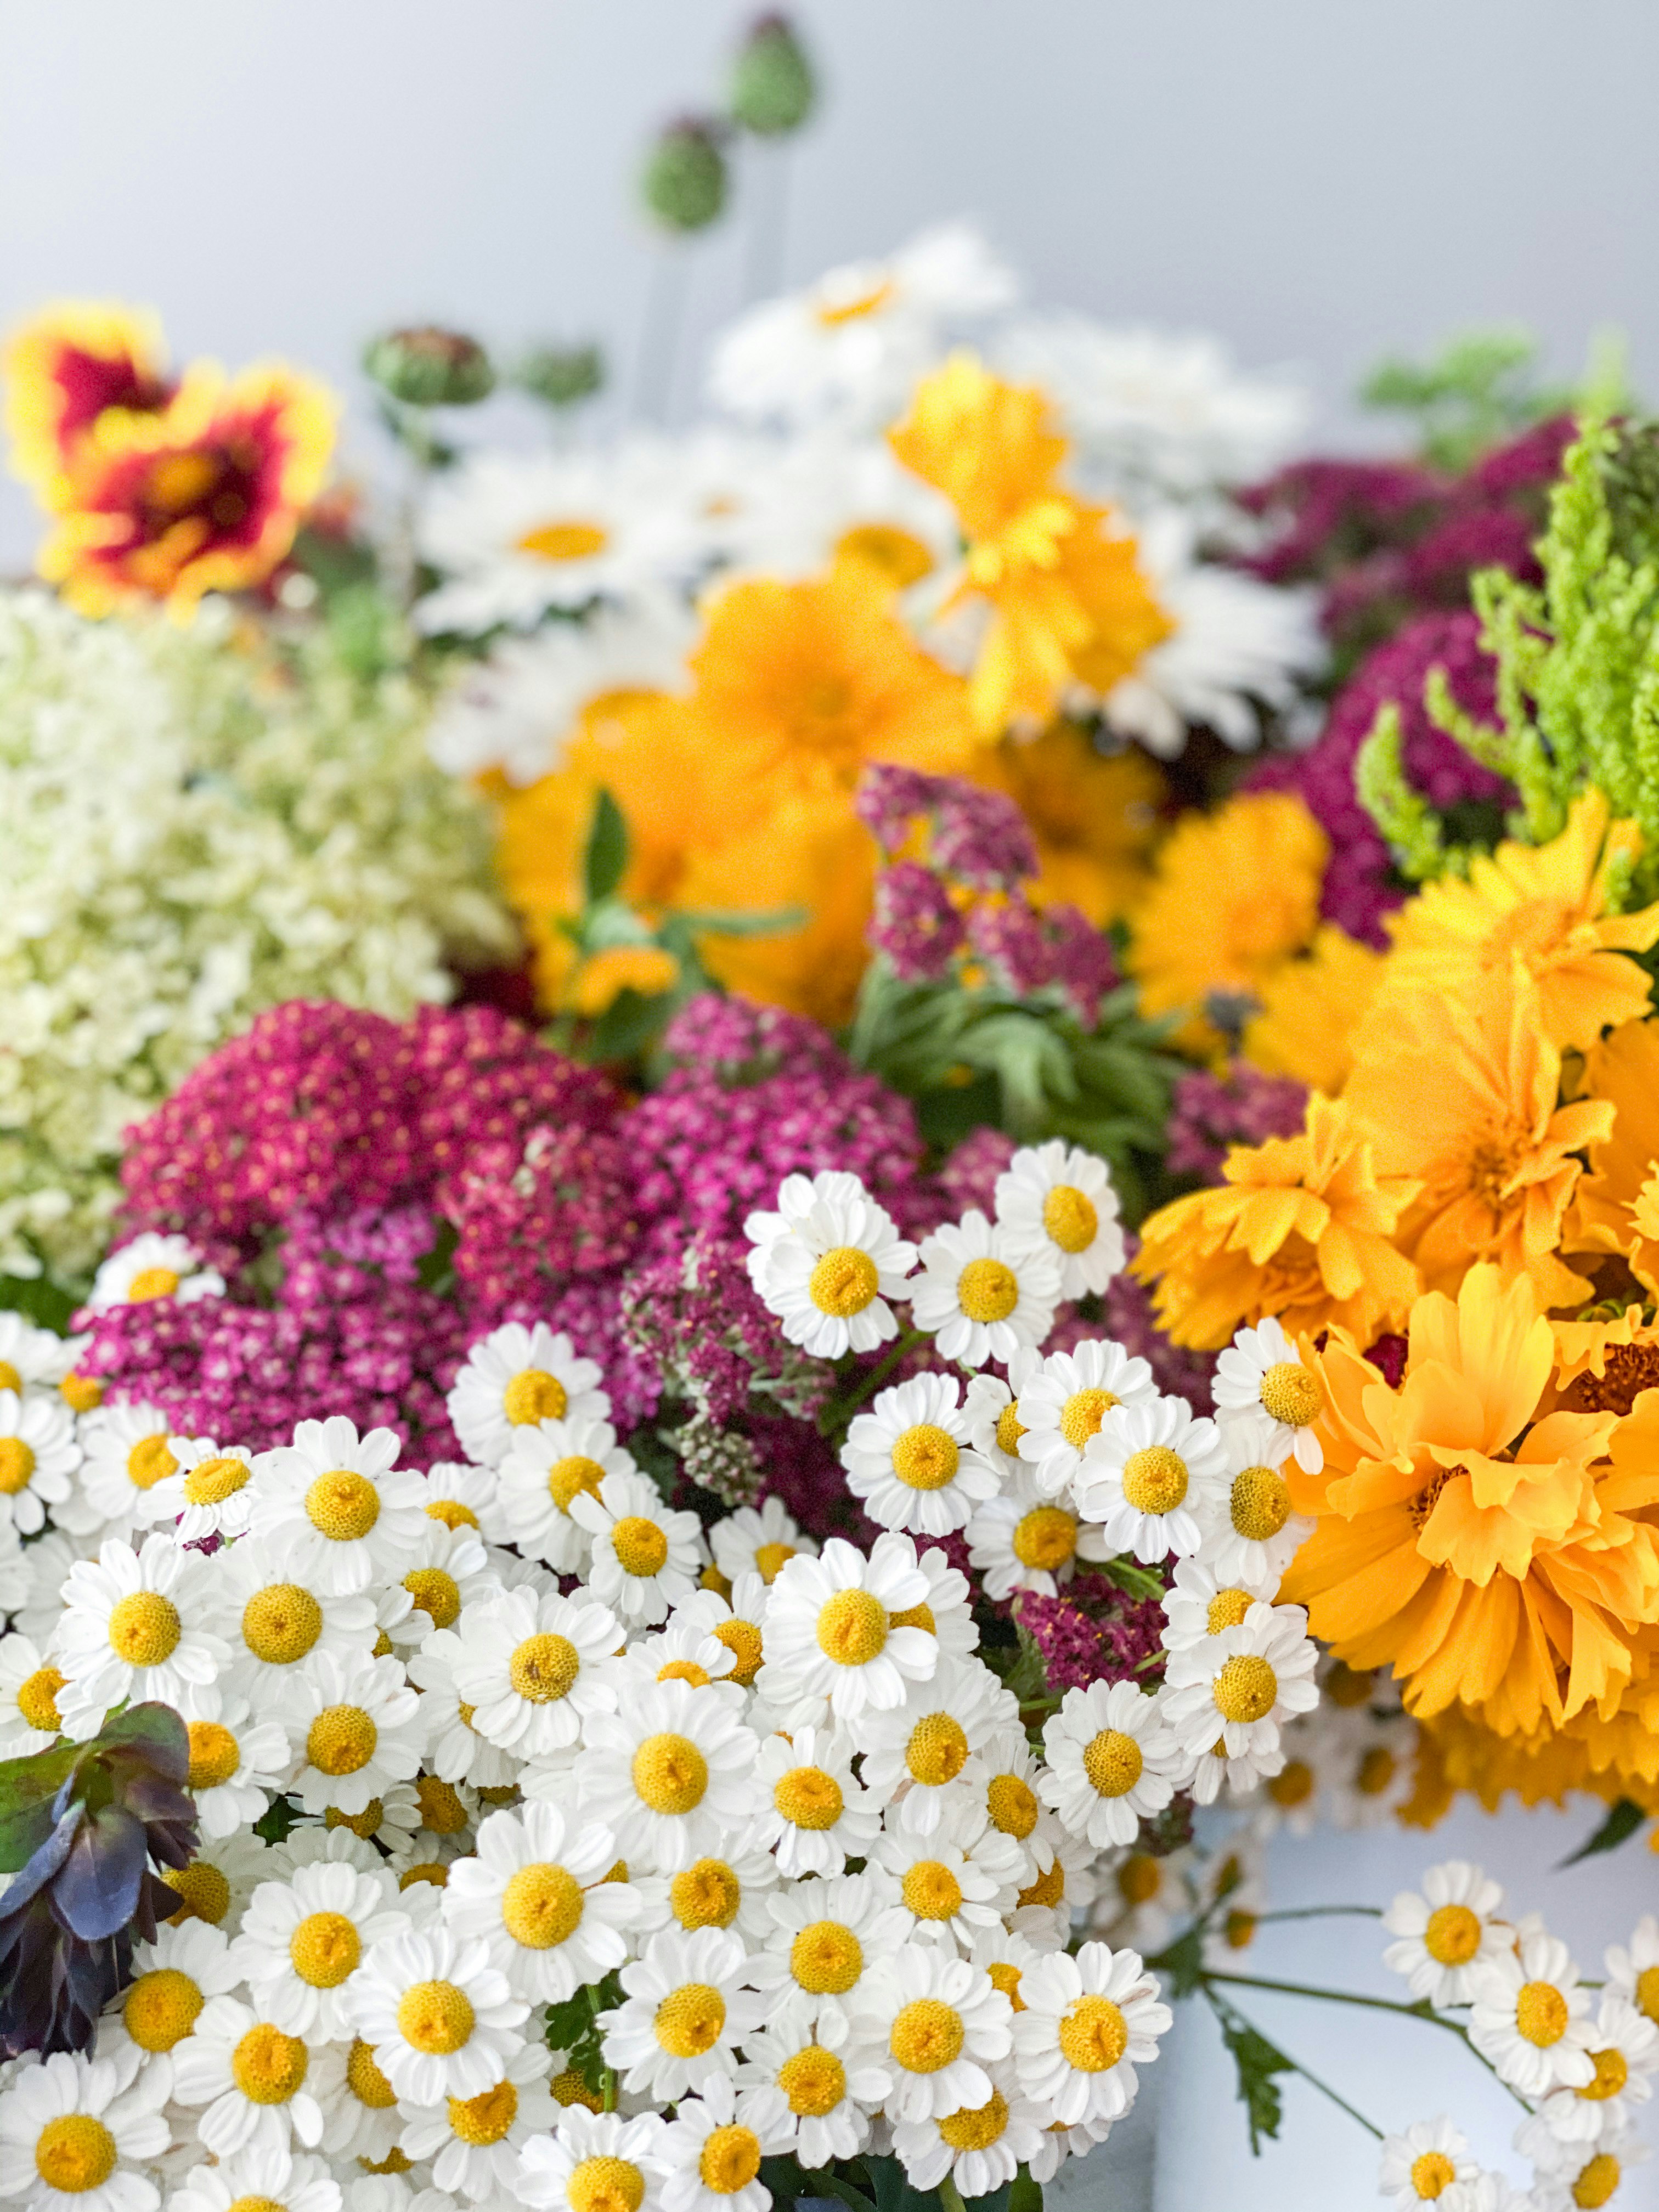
(738, 921)
(1025, 2195)
(1624, 1819)
(434, 1270)
(38, 1299)
(27, 1787)
(1257, 2061)
(1133, 1579)
(606, 857)
(1181, 1962)
(278, 1821)
(630, 1023)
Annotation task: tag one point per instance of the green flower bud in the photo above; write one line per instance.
(430, 368)
(772, 89)
(685, 182)
(561, 375)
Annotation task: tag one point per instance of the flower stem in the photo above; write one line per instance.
(1311, 2079)
(1320, 1912)
(840, 1410)
(949, 2196)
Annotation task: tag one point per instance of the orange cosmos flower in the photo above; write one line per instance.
(1302, 1229)
(1546, 907)
(1616, 1205)
(1464, 1101)
(1069, 607)
(63, 369)
(204, 495)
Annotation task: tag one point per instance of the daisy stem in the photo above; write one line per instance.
(840, 1410)
(1321, 1912)
(1311, 2079)
(949, 2196)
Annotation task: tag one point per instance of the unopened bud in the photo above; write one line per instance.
(685, 182)
(772, 89)
(430, 368)
(561, 375)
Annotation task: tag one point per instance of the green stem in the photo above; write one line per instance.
(1423, 2011)
(607, 2074)
(1311, 2079)
(840, 1410)
(1321, 1912)
(949, 2196)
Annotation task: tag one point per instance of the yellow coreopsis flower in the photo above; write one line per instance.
(1069, 607)
(1616, 1205)
(1095, 817)
(1311, 1009)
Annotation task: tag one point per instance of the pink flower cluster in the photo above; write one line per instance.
(1092, 1632)
(1210, 1112)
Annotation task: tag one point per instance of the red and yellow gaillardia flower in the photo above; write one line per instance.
(66, 366)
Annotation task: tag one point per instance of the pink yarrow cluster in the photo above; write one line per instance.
(1210, 1112)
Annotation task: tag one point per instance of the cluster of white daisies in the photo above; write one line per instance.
(1583, 2055)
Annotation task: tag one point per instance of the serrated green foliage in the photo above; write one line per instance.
(573, 2028)
(1257, 2062)
(1624, 1818)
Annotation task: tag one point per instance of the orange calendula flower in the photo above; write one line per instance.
(1095, 817)
(1070, 609)
(1616, 1205)
(204, 495)
(1604, 1366)
(1546, 906)
(63, 369)
(1311, 1009)
(1302, 1229)
(1489, 1557)
(1464, 1102)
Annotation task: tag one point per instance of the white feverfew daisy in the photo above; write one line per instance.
(671, 1776)
(1262, 1372)
(1632, 1969)
(1088, 2020)
(1110, 1759)
(933, 2025)
(1625, 2052)
(529, 1668)
(473, 2143)
(683, 1649)
(22, 1575)
(276, 1620)
(916, 1755)
(732, 1888)
(39, 1456)
(821, 1940)
(827, 1262)
(276, 2184)
(831, 1630)
(128, 1456)
(956, 1881)
(237, 1764)
(1532, 2019)
(1153, 1479)
(218, 1881)
(1446, 1931)
(993, 1409)
(1242, 1685)
(715, 2144)
(946, 1612)
(546, 1469)
(336, 1507)
(1045, 1908)
(209, 1493)
(1008, 1769)
(171, 1979)
(827, 2104)
(1255, 1530)
(594, 2162)
(1419, 2166)
(516, 1378)
(686, 2009)
(29, 1683)
(1567, 2174)
(645, 1557)
(76, 2132)
(757, 1541)
(1058, 1194)
(983, 1293)
(451, 1572)
(439, 2017)
(1021, 1540)
(1143, 1899)
(909, 1460)
(254, 2088)
(812, 1812)
(534, 1890)
(303, 1940)
(355, 1726)
(136, 1626)
(1199, 1603)
(980, 2147)
(154, 1266)
(1062, 1406)
(459, 1495)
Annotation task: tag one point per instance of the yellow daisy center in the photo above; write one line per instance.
(1432, 2175)
(1612, 2072)
(534, 1395)
(1293, 1785)
(1140, 1879)
(74, 2153)
(435, 2017)
(771, 1559)
(976, 2127)
(486, 2117)
(852, 1628)
(1245, 1688)
(149, 1461)
(144, 1628)
(1292, 1394)
(10, 1378)
(324, 1949)
(432, 1872)
(807, 1797)
(365, 2079)
(1112, 1761)
(690, 2020)
(37, 1698)
(925, 1457)
(541, 1905)
(1226, 1609)
(605, 2184)
(1010, 1429)
(1647, 1991)
(914, 1616)
(926, 2035)
(268, 2067)
(705, 1895)
(543, 1668)
(1453, 1935)
(203, 1893)
(743, 1640)
(566, 1476)
(731, 2159)
(1376, 1770)
(341, 1740)
(216, 1479)
(569, 2088)
(215, 1755)
(937, 1750)
(451, 1513)
(1046, 1890)
(671, 1775)
(342, 1505)
(281, 1624)
(1045, 1538)
(80, 1393)
(684, 1670)
(932, 1890)
(16, 1465)
(1012, 1805)
(1005, 1976)
(1597, 2180)
(1541, 2013)
(442, 1812)
(640, 1546)
(1155, 1480)
(364, 1824)
(435, 1593)
(1070, 1218)
(160, 2008)
(1261, 1503)
(1081, 1415)
(987, 1290)
(826, 1959)
(813, 2080)
(152, 1283)
(844, 1282)
(1094, 2035)
(564, 541)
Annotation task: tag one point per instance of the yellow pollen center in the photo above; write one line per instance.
(1155, 1480)
(1070, 1218)
(926, 2035)
(365, 1824)
(1261, 1503)
(144, 1628)
(813, 2081)
(743, 1640)
(569, 2088)
(931, 1891)
(831, 316)
(1226, 1609)
(987, 1290)
(37, 1698)
(10, 1378)
(1012, 1805)
(541, 1905)
(844, 1282)
(1432, 2175)
(1453, 1935)
(451, 1513)
(1647, 1991)
(80, 1393)
(1612, 2072)
(543, 1668)
(160, 2008)
(1376, 1771)
(564, 541)
(1292, 1394)
(914, 1616)
(268, 2067)
(1245, 1689)
(1112, 1761)
(365, 2079)
(216, 1479)
(442, 1812)
(925, 1457)
(1293, 1785)
(1005, 1976)
(1346, 1689)
(1046, 1890)
(705, 1895)
(566, 1476)
(341, 1740)
(730, 2161)
(937, 1750)
(280, 1625)
(203, 1893)
(1140, 1879)
(214, 1755)
(807, 1797)
(826, 1959)
(684, 1670)
(640, 1546)
(976, 2127)
(671, 1775)
(1597, 2181)
(852, 1628)
(690, 2020)
(605, 2184)
(1541, 2013)
(435, 2017)
(1045, 1538)
(149, 1461)
(534, 1395)
(16, 1465)
(395, 2161)
(1094, 2035)
(74, 2153)
(435, 1593)
(1081, 1415)
(324, 1949)
(1010, 1429)
(486, 2117)
(343, 1506)
(152, 1283)
(771, 1559)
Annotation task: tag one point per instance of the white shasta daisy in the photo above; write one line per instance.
(1062, 1404)
(39, 1456)
(154, 1266)
(1110, 1759)
(303, 1940)
(473, 2143)
(1262, 1372)
(915, 1755)
(714, 2146)
(534, 1889)
(253, 2086)
(128, 1456)
(1086, 2021)
(984, 1292)
(356, 1726)
(1153, 1477)
(530, 1668)
(671, 1776)
(645, 1557)
(336, 1507)
(829, 2105)
(1059, 1194)
(757, 1541)
(980, 2147)
(957, 1880)
(827, 1262)
(437, 2015)
(1419, 2166)
(209, 1493)
(812, 1812)
(909, 1460)
(276, 1620)
(135, 1626)
(33, 1359)
(933, 2025)
(833, 1628)
(546, 1469)
(29, 1683)
(1021, 1540)
(821, 1940)
(516, 1378)
(1446, 1930)
(79, 2132)
(686, 2009)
